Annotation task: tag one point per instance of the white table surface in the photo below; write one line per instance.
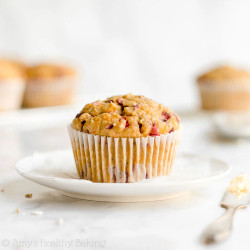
(170, 224)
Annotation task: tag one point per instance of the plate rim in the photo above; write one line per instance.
(193, 181)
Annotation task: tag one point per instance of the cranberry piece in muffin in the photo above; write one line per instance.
(166, 115)
(154, 131)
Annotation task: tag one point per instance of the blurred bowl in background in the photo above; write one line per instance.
(232, 124)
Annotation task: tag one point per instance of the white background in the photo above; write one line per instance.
(155, 48)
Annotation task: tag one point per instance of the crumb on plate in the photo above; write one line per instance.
(60, 221)
(37, 213)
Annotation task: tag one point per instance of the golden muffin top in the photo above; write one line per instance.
(126, 116)
(49, 71)
(11, 69)
(224, 74)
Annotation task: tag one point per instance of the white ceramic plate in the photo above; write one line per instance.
(57, 170)
(233, 124)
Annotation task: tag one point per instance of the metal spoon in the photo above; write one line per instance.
(220, 229)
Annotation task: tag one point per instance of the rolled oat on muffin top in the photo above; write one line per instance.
(49, 71)
(126, 116)
(224, 74)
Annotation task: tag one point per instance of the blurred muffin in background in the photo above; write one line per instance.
(12, 84)
(225, 88)
(49, 85)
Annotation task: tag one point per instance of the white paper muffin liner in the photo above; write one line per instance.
(11, 94)
(43, 92)
(225, 96)
(121, 160)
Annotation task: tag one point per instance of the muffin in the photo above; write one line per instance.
(49, 85)
(12, 84)
(124, 139)
(225, 88)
